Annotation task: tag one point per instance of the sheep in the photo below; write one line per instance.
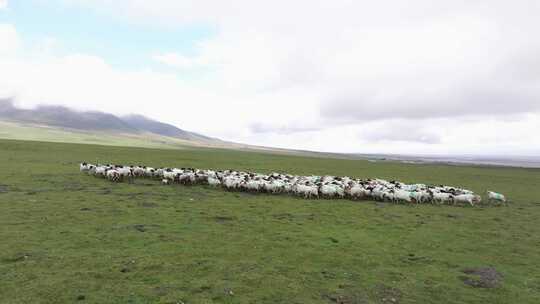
(357, 192)
(231, 183)
(420, 196)
(186, 178)
(149, 172)
(307, 191)
(306, 186)
(253, 185)
(166, 174)
(275, 186)
(378, 193)
(442, 197)
(467, 199)
(83, 167)
(113, 175)
(496, 197)
(125, 173)
(402, 195)
(139, 171)
(328, 191)
(101, 171)
(212, 181)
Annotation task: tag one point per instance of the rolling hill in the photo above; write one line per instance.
(62, 124)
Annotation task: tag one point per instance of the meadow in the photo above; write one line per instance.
(68, 237)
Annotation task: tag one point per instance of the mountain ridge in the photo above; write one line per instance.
(64, 117)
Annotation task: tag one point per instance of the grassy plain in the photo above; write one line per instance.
(68, 237)
(32, 132)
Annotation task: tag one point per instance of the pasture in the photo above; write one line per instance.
(68, 237)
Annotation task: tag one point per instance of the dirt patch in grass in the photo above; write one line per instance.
(388, 294)
(283, 216)
(105, 191)
(143, 227)
(412, 258)
(482, 277)
(18, 257)
(333, 240)
(346, 297)
(74, 186)
(292, 217)
(148, 205)
(128, 266)
(162, 290)
(326, 274)
(223, 218)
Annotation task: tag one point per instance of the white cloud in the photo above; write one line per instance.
(325, 75)
(3, 4)
(417, 59)
(9, 39)
(181, 61)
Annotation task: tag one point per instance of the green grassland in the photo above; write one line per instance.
(18, 131)
(68, 237)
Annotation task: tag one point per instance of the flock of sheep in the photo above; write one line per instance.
(304, 186)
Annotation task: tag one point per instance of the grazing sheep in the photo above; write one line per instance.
(496, 197)
(357, 192)
(307, 191)
(443, 198)
(83, 167)
(170, 175)
(149, 172)
(402, 196)
(101, 171)
(212, 181)
(139, 171)
(467, 199)
(113, 175)
(420, 196)
(305, 186)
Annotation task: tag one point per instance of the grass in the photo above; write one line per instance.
(68, 237)
(18, 131)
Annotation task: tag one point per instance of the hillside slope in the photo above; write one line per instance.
(145, 124)
(92, 121)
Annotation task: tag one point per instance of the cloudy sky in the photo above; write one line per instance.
(388, 76)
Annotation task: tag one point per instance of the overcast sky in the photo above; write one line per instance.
(387, 76)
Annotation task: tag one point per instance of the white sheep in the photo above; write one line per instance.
(306, 186)
(113, 175)
(467, 199)
(495, 197)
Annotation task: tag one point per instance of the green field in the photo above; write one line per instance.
(68, 237)
(32, 132)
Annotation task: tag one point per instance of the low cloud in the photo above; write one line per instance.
(495, 99)
(398, 131)
(259, 128)
(9, 39)
(180, 61)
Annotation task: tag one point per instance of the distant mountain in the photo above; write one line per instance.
(145, 124)
(63, 117)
